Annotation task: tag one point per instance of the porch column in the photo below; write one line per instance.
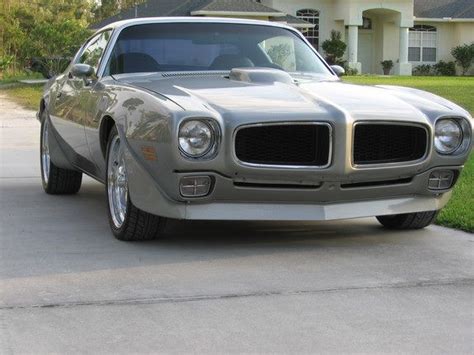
(404, 67)
(353, 41)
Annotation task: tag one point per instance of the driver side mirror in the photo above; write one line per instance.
(82, 70)
(338, 70)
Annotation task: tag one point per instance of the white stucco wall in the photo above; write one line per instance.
(336, 14)
(351, 10)
(325, 7)
(464, 32)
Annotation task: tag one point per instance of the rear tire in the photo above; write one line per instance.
(55, 180)
(416, 220)
(128, 223)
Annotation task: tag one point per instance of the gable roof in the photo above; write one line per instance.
(161, 8)
(293, 21)
(232, 6)
(456, 9)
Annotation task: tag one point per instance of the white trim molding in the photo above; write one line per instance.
(296, 25)
(237, 13)
(444, 19)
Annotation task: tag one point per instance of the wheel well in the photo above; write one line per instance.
(42, 108)
(105, 127)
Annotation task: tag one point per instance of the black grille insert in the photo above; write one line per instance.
(387, 143)
(376, 183)
(276, 186)
(286, 144)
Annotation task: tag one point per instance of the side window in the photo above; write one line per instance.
(94, 50)
(281, 51)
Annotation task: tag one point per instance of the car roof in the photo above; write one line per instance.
(150, 20)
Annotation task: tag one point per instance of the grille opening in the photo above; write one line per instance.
(289, 144)
(276, 186)
(376, 183)
(386, 143)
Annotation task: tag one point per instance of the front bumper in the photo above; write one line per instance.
(243, 192)
(330, 200)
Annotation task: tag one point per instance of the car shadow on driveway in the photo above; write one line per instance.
(59, 250)
(57, 226)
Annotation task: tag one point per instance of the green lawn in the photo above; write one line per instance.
(459, 213)
(28, 96)
(457, 89)
(7, 78)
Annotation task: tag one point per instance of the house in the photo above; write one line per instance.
(408, 32)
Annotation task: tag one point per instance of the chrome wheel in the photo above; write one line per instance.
(45, 157)
(117, 186)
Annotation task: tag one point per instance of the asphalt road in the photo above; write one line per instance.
(68, 286)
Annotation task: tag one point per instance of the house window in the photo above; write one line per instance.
(366, 24)
(422, 44)
(311, 16)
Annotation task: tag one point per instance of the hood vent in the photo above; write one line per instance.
(260, 75)
(180, 74)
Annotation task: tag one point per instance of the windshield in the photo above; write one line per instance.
(163, 47)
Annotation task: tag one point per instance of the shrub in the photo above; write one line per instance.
(334, 47)
(464, 56)
(445, 68)
(387, 65)
(5, 62)
(349, 70)
(423, 69)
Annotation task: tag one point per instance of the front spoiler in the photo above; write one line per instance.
(314, 212)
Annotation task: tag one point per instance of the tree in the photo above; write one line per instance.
(464, 56)
(107, 8)
(334, 48)
(46, 29)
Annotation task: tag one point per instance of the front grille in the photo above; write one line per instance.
(388, 143)
(284, 144)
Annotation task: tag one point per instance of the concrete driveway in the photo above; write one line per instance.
(68, 286)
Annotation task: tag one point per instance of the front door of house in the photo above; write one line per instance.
(365, 52)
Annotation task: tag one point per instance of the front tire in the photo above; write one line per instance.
(55, 180)
(416, 220)
(128, 223)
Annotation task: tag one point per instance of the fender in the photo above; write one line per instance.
(57, 154)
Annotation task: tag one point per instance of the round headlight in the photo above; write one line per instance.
(448, 136)
(195, 138)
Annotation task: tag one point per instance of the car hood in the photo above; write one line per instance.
(307, 98)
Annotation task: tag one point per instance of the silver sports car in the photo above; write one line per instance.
(224, 119)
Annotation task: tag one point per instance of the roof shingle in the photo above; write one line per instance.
(236, 6)
(293, 21)
(461, 9)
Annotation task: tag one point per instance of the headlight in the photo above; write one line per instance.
(448, 136)
(196, 138)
